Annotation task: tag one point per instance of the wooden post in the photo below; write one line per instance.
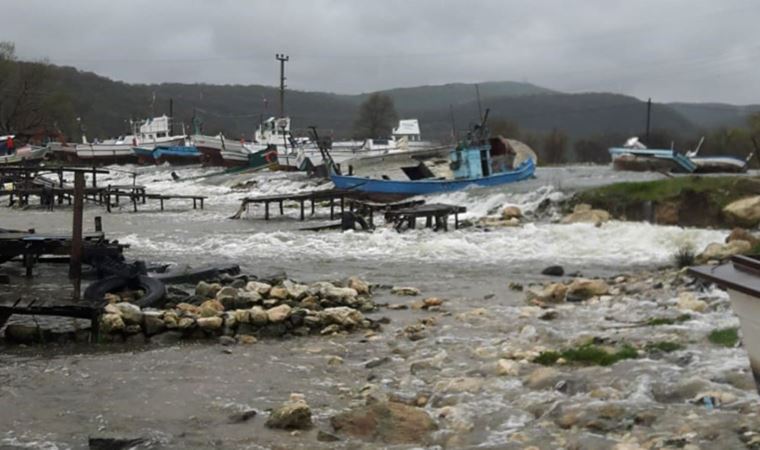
(75, 266)
(281, 211)
(266, 210)
(194, 206)
(98, 224)
(94, 177)
(202, 202)
(332, 208)
(302, 212)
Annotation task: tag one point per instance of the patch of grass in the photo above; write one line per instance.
(547, 358)
(655, 321)
(664, 346)
(685, 256)
(589, 355)
(727, 337)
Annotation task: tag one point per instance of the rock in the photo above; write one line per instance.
(511, 212)
(227, 291)
(210, 323)
(507, 367)
(243, 416)
(342, 315)
(258, 287)
(341, 294)
(360, 286)
(111, 298)
(111, 323)
(386, 422)
(153, 322)
(207, 290)
(278, 293)
(113, 442)
(405, 290)
(542, 378)
(246, 339)
(459, 385)
(323, 436)
(278, 313)
(376, 362)
(211, 308)
(555, 271)
(242, 316)
(247, 299)
(718, 251)
(553, 293)
(295, 291)
(431, 302)
(25, 334)
(294, 414)
(740, 234)
(690, 302)
(583, 213)
(259, 316)
(334, 360)
(744, 212)
(171, 320)
(130, 313)
(585, 289)
(188, 308)
(186, 323)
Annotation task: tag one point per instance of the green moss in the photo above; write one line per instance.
(547, 358)
(589, 355)
(727, 337)
(655, 321)
(664, 346)
(722, 190)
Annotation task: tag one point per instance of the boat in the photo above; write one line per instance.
(479, 162)
(741, 278)
(144, 155)
(252, 156)
(176, 155)
(150, 133)
(635, 156)
(26, 155)
(718, 164)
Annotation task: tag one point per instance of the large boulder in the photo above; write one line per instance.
(294, 290)
(111, 323)
(583, 213)
(387, 422)
(207, 290)
(294, 414)
(718, 251)
(744, 212)
(129, 312)
(258, 287)
(211, 308)
(583, 288)
(360, 286)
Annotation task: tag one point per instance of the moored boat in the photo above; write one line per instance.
(741, 278)
(176, 155)
(26, 155)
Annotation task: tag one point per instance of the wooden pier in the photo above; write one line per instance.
(331, 195)
(437, 212)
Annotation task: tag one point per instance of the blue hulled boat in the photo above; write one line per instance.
(144, 155)
(476, 162)
(177, 155)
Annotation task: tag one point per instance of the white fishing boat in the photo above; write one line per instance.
(26, 155)
(741, 278)
(149, 134)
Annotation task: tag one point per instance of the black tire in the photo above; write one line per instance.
(155, 291)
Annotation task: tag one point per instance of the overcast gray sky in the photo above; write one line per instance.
(690, 50)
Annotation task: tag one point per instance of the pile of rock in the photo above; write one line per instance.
(583, 213)
(256, 310)
(579, 289)
(511, 216)
(739, 242)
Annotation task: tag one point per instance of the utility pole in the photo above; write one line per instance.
(282, 58)
(171, 117)
(649, 118)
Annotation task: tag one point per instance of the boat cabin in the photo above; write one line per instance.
(409, 129)
(477, 161)
(273, 131)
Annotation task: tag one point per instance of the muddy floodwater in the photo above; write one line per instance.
(183, 394)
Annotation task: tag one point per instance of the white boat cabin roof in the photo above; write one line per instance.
(407, 127)
(155, 125)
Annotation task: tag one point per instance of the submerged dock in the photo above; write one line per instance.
(331, 195)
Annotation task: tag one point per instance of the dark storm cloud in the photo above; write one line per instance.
(696, 50)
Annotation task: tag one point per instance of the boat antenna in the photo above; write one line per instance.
(453, 124)
(480, 107)
(324, 151)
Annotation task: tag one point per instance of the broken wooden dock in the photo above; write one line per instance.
(331, 195)
(434, 212)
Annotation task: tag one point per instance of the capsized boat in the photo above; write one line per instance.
(635, 156)
(741, 277)
(476, 162)
(718, 164)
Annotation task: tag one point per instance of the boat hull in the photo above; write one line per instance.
(720, 164)
(26, 156)
(401, 189)
(177, 156)
(747, 308)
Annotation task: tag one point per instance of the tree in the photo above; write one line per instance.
(377, 116)
(505, 128)
(30, 105)
(591, 150)
(555, 144)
